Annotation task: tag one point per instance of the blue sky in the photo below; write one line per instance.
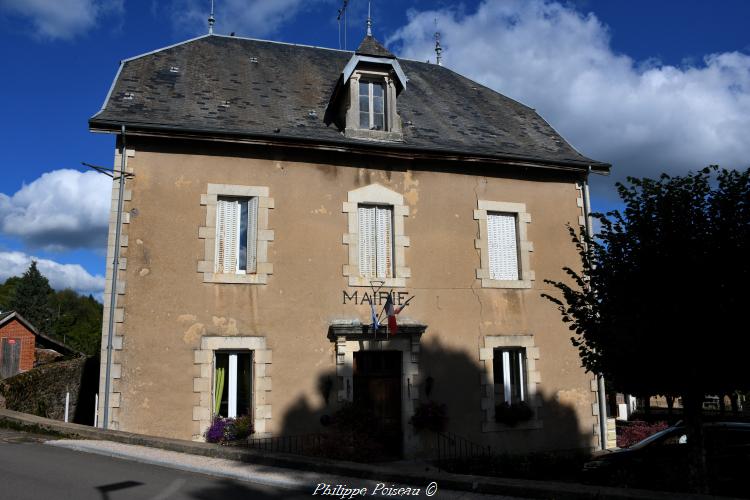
(649, 86)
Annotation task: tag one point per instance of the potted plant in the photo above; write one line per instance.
(229, 430)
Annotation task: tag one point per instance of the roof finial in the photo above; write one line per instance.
(438, 48)
(369, 21)
(211, 20)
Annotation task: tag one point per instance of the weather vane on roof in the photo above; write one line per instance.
(342, 13)
(211, 20)
(369, 21)
(438, 48)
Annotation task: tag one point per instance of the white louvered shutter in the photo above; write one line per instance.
(227, 229)
(503, 246)
(383, 222)
(367, 241)
(252, 234)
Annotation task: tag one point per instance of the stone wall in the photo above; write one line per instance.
(41, 391)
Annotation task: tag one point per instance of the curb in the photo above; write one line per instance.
(289, 484)
(477, 484)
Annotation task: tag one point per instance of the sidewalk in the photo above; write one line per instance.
(301, 482)
(310, 468)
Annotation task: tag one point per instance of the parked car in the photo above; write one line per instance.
(661, 460)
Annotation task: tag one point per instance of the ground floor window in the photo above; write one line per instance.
(509, 367)
(233, 383)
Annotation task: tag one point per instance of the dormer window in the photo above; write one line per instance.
(364, 102)
(372, 105)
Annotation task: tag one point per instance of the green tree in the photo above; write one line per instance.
(7, 291)
(657, 303)
(32, 299)
(77, 321)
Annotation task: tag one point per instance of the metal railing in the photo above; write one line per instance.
(303, 444)
(454, 450)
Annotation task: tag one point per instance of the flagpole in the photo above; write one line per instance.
(376, 319)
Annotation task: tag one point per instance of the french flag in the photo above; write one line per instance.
(391, 311)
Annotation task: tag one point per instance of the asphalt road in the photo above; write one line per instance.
(32, 470)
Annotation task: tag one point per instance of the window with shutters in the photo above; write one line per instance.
(236, 234)
(376, 239)
(503, 246)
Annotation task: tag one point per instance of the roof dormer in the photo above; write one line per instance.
(364, 102)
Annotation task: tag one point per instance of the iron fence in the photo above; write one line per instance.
(303, 444)
(456, 451)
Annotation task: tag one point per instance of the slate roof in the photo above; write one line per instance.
(371, 47)
(219, 85)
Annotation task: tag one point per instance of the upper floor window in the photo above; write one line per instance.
(503, 246)
(375, 241)
(375, 236)
(236, 235)
(372, 105)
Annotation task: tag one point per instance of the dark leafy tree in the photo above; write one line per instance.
(659, 303)
(31, 299)
(7, 291)
(65, 315)
(77, 321)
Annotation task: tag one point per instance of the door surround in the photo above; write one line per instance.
(351, 338)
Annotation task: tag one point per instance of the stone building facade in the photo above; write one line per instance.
(281, 193)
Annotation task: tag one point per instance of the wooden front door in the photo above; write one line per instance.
(377, 388)
(11, 356)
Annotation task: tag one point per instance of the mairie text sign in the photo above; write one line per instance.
(358, 297)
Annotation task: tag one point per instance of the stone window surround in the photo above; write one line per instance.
(525, 247)
(203, 385)
(392, 120)
(208, 234)
(377, 195)
(533, 379)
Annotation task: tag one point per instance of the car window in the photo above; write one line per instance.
(669, 433)
(722, 437)
(674, 440)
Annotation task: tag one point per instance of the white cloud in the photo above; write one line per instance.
(245, 17)
(62, 209)
(60, 276)
(61, 19)
(644, 117)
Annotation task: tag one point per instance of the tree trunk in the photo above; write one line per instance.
(698, 472)
(722, 405)
(670, 405)
(647, 405)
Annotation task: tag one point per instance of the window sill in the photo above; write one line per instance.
(249, 279)
(387, 282)
(490, 283)
(375, 135)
